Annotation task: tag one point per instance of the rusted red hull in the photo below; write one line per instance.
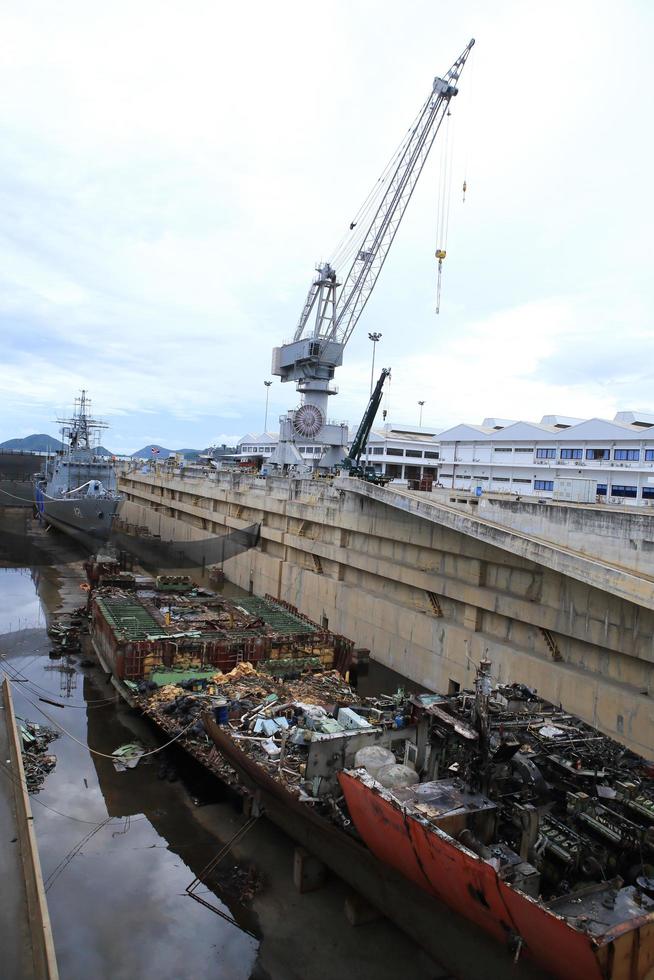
(470, 886)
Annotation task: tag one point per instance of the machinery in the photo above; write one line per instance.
(352, 462)
(333, 307)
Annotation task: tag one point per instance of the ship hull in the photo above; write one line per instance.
(471, 886)
(88, 519)
(430, 923)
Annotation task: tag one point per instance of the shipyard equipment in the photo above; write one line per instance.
(352, 462)
(334, 304)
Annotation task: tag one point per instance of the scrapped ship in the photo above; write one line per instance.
(76, 492)
(507, 809)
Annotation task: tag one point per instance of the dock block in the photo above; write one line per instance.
(308, 872)
(359, 912)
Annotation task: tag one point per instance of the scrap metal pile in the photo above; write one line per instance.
(562, 803)
(573, 803)
(273, 721)
(37, 761)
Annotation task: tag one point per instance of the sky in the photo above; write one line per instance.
(172, 172)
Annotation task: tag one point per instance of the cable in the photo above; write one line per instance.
(18, 677)
(65, 861)
(104, 755)
(26, 500)
(34, 799)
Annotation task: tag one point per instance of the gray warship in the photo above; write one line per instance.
(76, 492)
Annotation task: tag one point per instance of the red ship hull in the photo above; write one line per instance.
(471, 886)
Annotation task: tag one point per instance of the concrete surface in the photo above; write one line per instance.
(15, 936)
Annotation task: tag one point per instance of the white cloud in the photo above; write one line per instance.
(170, 174)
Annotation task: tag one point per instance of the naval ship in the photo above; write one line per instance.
(76, 492)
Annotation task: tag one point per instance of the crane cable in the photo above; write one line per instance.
(444, 201)
(351, 240)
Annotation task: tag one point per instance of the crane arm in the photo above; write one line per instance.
(368, 262)
(367, 422)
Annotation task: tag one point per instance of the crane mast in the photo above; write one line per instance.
(332, 308)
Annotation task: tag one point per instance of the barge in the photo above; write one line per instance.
(505, 809)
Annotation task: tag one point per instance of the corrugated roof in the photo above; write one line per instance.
(128, 618)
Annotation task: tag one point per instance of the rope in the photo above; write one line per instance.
(26, 500)
(104, 755)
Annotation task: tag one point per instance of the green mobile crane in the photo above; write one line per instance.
(351, 464)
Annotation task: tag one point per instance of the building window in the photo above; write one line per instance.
(648, 493)
(626, 454)
(503, 449)
(598, 454)
(622, 491)
(571, 454)
(519, 450)
(414, 452)
(378, 450)
(543, 484)
(393, 470)
(601, 489)
(546, 454)
(502, 479)
(522, 481)
(649, 454)
(431, 455)
(394, 452)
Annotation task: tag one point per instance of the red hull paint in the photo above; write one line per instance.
(471, 887)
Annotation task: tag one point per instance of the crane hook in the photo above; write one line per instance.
(440, 255)
(465, 188)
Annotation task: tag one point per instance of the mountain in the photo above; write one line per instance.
(37, 443)
(189, 453)
(146, 452)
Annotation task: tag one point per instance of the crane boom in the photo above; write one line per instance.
(369, 259)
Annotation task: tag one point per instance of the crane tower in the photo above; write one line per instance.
(332, 308)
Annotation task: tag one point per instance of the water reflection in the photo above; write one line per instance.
(20, 608)
(115, 890)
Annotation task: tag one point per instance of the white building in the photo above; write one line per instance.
(615, 459)
(401, 452)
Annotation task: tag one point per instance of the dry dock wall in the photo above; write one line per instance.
(430, 590)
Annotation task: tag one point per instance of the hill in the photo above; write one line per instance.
(146, 452)
(163, 453)
(37, 443)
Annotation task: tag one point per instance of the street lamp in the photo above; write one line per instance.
(420, 422)
(374, 337)
(265, 423)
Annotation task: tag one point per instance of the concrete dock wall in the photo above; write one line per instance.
(37, 930)
(430, 590)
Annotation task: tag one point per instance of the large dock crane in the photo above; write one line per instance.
(332, 308)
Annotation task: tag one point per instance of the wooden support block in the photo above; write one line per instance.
(309, 873)
(359, 912)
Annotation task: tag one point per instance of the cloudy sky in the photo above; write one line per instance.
(171, 172)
